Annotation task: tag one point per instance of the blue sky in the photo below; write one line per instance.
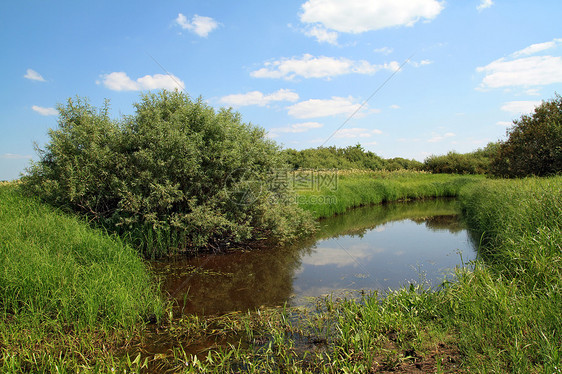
(298, 68)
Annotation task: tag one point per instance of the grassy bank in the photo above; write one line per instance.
(69, 295)
(358, 188)
(501, 316)
(507, 314)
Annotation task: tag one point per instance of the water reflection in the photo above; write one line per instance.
(377, 247)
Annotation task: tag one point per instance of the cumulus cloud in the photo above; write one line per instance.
(520, 107)
(200, 25)
(356, 132)
(258, 98)
(537, 47)
(323, 108)
(484, 4)
(120, 81)
(297, 127)
(357, 16)
(33, 75)
(309, 66)
(523, 69)
(45, 111)
(322, 35)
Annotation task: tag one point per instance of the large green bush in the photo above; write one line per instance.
(176, 174)
(534, 144)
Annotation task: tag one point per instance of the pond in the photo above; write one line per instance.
(377, 247)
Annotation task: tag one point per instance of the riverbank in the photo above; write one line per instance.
(354, 188)
(501, 316)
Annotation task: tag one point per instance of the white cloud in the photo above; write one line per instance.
(33, 75)
(484, 4)
(200, 25)
(160, 81)
(45, 111)
(309, 66)
(384, 50)
(527, 71)
(520, 107)
(394, 106)
(322, 35)
(298, 127)
(533, 92)
(258, 98)
(522, 69)
(355, 132)
(13, 156)
(538, 47)
(120, 81)
(420, 63)
(323, 108)
(437, 137)
(504, 123)
(357, 16)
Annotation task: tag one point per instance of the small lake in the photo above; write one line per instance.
(378, 247)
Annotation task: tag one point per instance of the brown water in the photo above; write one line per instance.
(378, 247)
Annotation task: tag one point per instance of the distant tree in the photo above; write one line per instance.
(398, 163)
(477, 162)
(350, 157)
(534, 144)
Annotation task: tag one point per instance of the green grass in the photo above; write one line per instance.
(358, 188)
(63, 282)
(507, 313)
(502, 316)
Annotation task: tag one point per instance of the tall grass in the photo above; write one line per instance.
(70, 297)
(508, 313)
(58, 267)
(358, 188)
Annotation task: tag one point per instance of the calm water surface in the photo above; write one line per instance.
(378, 247)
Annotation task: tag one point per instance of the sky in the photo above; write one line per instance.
(403, 78)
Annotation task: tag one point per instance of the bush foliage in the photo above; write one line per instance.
(177, 173)
(477, 162)
(534, 144)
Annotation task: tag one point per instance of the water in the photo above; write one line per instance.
(378, 247)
